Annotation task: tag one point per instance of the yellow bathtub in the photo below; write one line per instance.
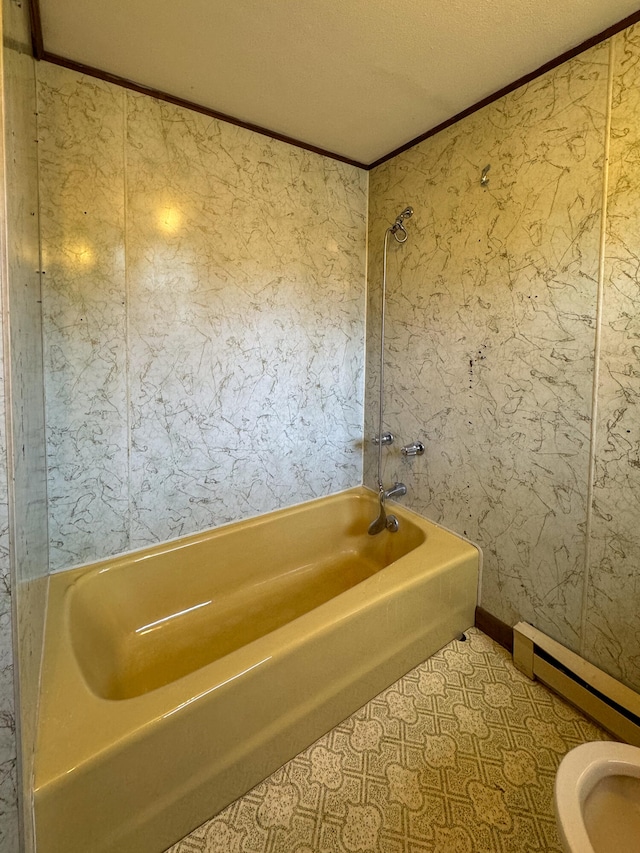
(178, 677)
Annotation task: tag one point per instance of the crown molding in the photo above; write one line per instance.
(41, 53)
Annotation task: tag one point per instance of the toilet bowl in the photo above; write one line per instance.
(597, 798)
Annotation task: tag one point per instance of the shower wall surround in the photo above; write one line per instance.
(493, 336)
(203, 303)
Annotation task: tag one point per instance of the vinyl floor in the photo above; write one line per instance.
(458, 756)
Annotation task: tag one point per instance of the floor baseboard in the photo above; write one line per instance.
(494, 628)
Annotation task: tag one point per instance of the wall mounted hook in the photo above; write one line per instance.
(484, 178)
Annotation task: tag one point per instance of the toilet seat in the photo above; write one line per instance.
(580, 771)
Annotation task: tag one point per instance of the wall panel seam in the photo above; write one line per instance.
(127, 336)
(32, 815)
(364, 327)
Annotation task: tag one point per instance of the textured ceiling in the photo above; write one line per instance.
(358, 78)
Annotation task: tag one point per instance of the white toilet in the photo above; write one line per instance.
(597, 798)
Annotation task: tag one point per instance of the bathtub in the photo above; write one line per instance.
(178, 677)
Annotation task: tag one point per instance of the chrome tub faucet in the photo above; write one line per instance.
(384, 521)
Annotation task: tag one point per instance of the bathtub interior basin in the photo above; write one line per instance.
(139, 625)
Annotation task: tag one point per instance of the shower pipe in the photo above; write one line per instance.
(400, 236)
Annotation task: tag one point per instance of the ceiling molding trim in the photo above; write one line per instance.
(522, 81)
(35, 20)
(40, 53)
(89, 70)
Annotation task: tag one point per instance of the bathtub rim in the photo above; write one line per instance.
(105, 609)
(66, 696)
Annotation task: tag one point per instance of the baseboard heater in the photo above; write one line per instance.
(607, 701)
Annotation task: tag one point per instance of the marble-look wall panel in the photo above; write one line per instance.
(8, 741)
(490, 334)
(612, 635)
(81, 149)
(24, 540)
(245, 261)
(205, 361)
(25, 331)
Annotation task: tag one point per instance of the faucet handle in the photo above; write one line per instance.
(386, 439)
(415, 449)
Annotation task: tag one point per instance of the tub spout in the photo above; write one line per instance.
(396, 491)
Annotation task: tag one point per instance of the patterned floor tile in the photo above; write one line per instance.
(458, 756)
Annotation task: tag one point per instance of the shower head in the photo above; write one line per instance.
(407, 213)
